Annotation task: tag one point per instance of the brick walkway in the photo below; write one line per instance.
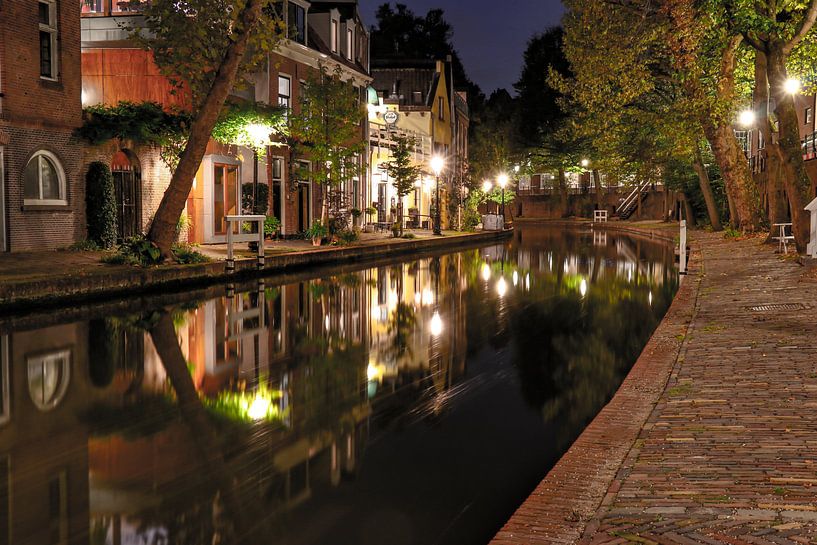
(728, 455)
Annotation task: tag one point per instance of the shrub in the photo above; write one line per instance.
(356, 213)
(137, 251)
(187, 254)
(261, 205)
(84, 246)
(409, 236)
(347, 237)
(100, 205)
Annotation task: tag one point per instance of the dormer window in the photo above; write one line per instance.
(296, 23)
(350, 43)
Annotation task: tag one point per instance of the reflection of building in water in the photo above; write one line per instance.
(43, 454)
(90, 431)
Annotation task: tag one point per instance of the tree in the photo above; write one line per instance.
(403, 171)
(204, 48)
(775, 30)
(329, 127)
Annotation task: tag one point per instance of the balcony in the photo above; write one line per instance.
(383, 137)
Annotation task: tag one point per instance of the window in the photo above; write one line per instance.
(277, 168)
(48, 377)
(296, 23)
(761, 143)
(44, 180)
(284, 92)
(92, 6)
(333, 38)
(350, 43)
(417, 97)
(441, 108)
(48, 39)
(808, 115)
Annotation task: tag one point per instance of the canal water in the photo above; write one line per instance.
(414, 402)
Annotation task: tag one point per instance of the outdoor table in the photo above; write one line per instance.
(783, 239)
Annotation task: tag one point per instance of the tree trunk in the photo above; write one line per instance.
(597, 185)
(777, 207)
(740, 188)
(792, 166)
(706, 189)
(163, 335)
(563, 199)
(163, 229)
(689, 215)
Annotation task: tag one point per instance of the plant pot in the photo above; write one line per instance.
(316, 242)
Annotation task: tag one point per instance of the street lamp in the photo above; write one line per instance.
(585, 163)
(437, 165)
(502, 180)
(792, 86)
(747, 118)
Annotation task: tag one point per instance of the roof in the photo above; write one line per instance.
(403, 79)
(316, 42)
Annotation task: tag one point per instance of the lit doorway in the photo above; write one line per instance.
(225, 196)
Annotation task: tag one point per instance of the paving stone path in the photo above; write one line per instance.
(728, 454)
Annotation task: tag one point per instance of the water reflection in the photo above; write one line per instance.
(415, 402)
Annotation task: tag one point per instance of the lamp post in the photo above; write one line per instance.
(486, 189)
(437, 164)
(502, 180)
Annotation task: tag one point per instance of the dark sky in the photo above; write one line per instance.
(490, 35)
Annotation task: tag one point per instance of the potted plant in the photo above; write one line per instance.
(370, 212)
(356, 213)
(271, 226)
(316, 233)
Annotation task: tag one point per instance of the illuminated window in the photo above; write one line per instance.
(284, 92)
(334, 36)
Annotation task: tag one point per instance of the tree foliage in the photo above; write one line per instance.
(100, 205)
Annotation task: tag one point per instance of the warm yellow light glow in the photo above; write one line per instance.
(502, 180)
(258, 408)
(486, 272)
(428, 297)
(417, 183)
(437, 164)
(436, 324)
(501, 287)
(585, 162)
(649, 298)
(516, 169)
(747, 118)
(259, 133)
(527, 281)
(371, 372)
(792, 86)
(486, 186)
(583, 287)
(515, 278)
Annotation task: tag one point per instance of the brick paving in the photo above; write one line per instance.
(728, 454)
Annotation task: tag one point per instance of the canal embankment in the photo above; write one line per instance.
(710, 437)
(58, 278)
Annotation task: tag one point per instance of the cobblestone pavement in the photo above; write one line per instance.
(729, 454)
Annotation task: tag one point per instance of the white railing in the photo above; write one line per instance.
(233, 237)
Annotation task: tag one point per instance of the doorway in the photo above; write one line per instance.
(304, 200)
(127, 184)
(3, 245)
(225, 196)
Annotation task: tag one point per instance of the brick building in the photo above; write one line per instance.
(42, 198)
(113, 70)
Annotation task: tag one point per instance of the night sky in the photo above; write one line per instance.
(490, 35)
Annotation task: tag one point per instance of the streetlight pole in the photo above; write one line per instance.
(502, 180)
(437, 164)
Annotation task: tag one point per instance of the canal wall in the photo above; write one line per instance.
(563, 506)
(23, 295)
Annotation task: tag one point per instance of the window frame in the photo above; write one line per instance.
(63, 200)
(333, 35)
(53, 31)
(350, 42)
(288, 97)
(441, 108)
(808, 115)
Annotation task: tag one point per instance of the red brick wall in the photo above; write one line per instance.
(39, 114)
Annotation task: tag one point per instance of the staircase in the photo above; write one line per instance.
(630, 203)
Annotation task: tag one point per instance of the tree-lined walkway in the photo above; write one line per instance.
(729, 453)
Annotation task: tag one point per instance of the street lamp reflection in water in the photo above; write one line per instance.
(583, 287)
(501, 287)
(259, 408)
(436, 324)
(486, 272)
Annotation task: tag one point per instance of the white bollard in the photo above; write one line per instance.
(682, 248)
(812, 243)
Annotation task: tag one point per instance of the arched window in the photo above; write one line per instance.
(44, 180)
(48, 377)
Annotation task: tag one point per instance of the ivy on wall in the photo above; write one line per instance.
(243, 124)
